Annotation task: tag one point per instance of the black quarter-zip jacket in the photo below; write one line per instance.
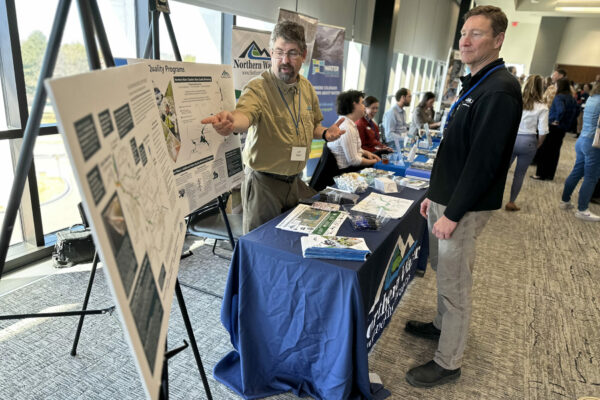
(472, 162)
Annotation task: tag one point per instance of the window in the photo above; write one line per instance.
(34, 30)
(197, 31)
(253, 23)
(6, 181)
(57, 189)
(353, 62)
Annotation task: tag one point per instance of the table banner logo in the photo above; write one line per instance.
(394, 282)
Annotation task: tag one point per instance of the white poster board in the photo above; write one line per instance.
(116, 142)
(204, 163)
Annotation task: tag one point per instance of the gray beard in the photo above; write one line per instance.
(287, 77)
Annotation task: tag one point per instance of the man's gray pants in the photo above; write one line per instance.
(264, 197)
(453, 260)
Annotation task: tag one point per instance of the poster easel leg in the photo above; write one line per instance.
(85, 303)
(190, 332)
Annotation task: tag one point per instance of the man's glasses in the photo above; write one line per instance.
(292, 54)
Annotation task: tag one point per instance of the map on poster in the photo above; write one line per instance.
(115, 139)
(205, 164)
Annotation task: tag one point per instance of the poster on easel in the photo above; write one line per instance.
(204, 163)
(115, 139)
(250, 55)
(310, 33)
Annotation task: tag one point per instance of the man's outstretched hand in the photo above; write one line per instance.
(334, 131)
(222, 122)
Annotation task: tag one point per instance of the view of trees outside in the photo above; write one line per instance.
(57, 188)
(56, 185)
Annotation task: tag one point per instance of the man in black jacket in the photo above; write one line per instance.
(467, 182)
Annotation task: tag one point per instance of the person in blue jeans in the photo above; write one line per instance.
(534, 120)
(587, 161)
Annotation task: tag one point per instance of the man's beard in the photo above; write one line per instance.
(287, 77)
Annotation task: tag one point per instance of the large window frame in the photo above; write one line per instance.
(36, 245)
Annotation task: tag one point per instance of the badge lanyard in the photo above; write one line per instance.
(294, 120)
(449, 117)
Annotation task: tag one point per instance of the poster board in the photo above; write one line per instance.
(116, 143)
(204, 163)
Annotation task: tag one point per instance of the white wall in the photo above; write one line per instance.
(519, 44)
(426, 28)
(580, 44)
(331, 12)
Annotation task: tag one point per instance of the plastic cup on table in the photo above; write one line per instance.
(385, 158)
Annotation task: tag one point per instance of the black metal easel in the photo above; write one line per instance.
(92, 28)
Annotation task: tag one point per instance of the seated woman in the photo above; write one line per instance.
(369, 130)
(347, 148)
(424, 113)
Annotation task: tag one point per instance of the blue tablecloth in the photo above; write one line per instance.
(305, 325)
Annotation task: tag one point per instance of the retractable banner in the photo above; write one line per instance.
(326, 69)
(250, 55)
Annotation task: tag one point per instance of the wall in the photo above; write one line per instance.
(580, 43)
(426, 28)
(331, 12)
(547, 45)
(519, 44)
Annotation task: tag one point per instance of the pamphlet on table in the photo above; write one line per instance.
(334, 247)
(379, 204)
(305, 219)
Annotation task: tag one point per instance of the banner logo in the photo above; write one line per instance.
(254, 52)
(319, 67)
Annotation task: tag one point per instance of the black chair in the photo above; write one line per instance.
(211, 221)
(326, 169)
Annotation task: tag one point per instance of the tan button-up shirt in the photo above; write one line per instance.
(273, 131)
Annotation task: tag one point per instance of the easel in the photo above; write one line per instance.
(92, 27)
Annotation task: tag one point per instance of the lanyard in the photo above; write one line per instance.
(449, 117)
(294, 120)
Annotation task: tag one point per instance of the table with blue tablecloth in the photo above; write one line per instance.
(306, 325)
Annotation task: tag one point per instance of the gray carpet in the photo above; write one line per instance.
(535, 332)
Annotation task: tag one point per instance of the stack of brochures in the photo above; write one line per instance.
(334, 247)
(412, 183)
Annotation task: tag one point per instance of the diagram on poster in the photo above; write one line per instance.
(204, 163)
(122, 158)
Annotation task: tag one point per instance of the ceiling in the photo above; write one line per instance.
(533, 10)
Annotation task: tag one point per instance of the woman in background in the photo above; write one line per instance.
(369, 130)
(347, 149)
(424, 113)
(587, 161)
(562, 113)
(534, 120)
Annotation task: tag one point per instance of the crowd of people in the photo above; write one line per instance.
(492, 122)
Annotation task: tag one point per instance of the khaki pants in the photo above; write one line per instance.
(264, 197)
(453, 260)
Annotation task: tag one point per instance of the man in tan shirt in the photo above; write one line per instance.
(283, 109)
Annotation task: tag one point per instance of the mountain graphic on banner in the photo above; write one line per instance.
(254, 52)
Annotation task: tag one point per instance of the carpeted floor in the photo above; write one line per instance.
(535, 331)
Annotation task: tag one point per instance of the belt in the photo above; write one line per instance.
(282, 178)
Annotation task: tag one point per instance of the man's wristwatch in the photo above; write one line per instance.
(323, 135)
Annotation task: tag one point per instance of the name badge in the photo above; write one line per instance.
(298, 153)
